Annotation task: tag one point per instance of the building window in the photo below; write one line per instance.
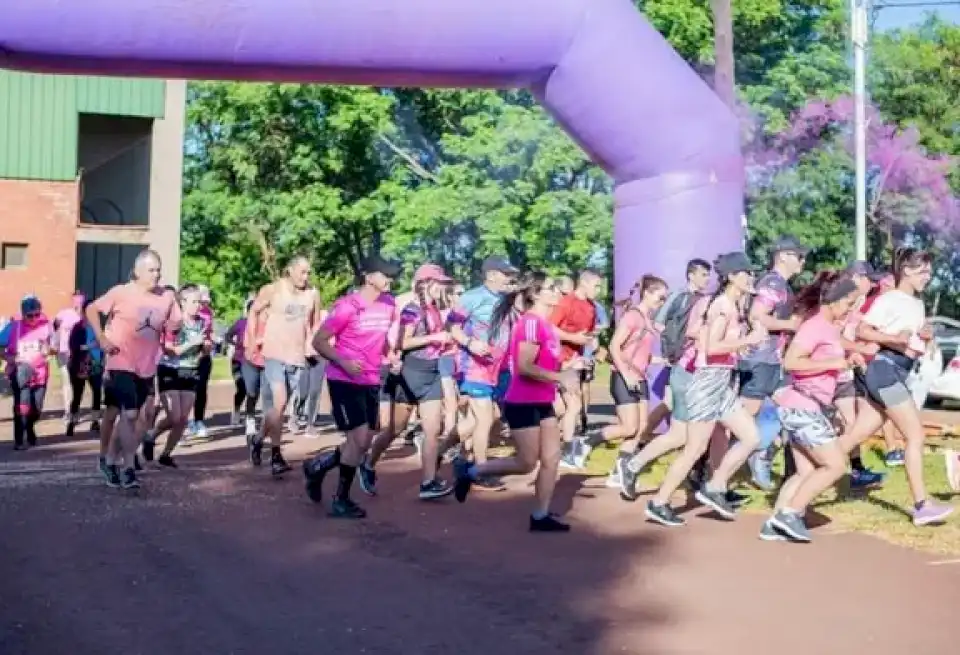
(13, 255)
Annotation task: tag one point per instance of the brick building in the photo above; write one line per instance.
(90, 174)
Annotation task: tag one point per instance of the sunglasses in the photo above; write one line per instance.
(31, 316)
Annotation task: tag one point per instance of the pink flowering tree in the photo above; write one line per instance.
(908, 190)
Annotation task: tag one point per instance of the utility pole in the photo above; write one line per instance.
(859, 35)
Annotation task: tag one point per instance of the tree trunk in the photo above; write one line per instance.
(723, 74)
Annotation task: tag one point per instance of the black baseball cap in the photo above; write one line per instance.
(501, 264)
(731, 263)
(377, 264)
(789, 244)
(861, 267)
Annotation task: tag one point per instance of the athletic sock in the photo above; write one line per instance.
(539, 516)
(347, 473)
(594, 439)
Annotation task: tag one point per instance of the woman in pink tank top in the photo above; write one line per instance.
(631, 349)
(534, 361)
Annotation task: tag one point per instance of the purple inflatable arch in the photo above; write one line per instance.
(600, 69)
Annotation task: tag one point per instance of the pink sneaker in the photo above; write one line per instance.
(952, 462)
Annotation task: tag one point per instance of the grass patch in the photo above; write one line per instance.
(880, 512)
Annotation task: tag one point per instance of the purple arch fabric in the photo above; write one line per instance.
(597, 66)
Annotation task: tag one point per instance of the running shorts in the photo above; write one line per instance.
(419, 381)
(354, 405)
(524, 416)
(886, 378)
(624, 395)
(185, 380)
(127, 391)
(759, 380)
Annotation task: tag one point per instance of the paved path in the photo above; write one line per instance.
(216, 558)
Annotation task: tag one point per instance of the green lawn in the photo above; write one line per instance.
(880, 512)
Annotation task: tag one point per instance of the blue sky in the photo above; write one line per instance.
(893, 17)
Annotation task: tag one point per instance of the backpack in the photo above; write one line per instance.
(674, 335)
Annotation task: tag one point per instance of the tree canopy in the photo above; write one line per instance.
(274, 170)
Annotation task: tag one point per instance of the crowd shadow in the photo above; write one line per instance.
(248, 564)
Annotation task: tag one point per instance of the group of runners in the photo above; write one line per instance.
(519, 350)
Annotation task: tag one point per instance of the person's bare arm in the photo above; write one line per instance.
(898, 342)
(797, 360)
(259, 306)
(763, 316)
(717, 345)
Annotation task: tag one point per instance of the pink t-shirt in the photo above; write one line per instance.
(65, 320)
(424, 322)
(725, 311)
(360, 331)
(821, 338)
(638, 347)
(136, 321)
(30, 344)
(534, 329)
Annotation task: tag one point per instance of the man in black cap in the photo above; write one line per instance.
(483, 384)
(761, 370)
(353, 338)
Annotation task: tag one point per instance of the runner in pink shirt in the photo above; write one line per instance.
(353, 338)
(138, 314)
(534, 357)
(421, 341)
(28, 342)
(816, 360)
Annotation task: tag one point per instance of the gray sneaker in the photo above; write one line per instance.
(717, 501)
(769, 532)
(664, 515)
(792, 525)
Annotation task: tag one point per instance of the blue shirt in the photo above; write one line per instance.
(474, 313)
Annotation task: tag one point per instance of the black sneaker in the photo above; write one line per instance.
(103, 468)
(489, 483)
(137, 466)
(113, 476)
(628, 479)
(717, 501)
(462, 481)
(435, 489)
(166, 460)
(19, 446)
(255, 450)
(664, 515)
(147, 450)
(736, 500)
(344, 508)
(314, 481)
(71, 427)
(95, 426)
(278, 465)
(368, 479)
(697, 477)
(129, 480)
(548, 523)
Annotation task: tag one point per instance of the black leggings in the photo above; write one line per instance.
(200, 404)
(96, 390)
(27, 407)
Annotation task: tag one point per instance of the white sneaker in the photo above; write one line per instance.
(235, 418)
(200, 430)
(251, 427)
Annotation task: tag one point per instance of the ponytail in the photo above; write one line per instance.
(505, 310)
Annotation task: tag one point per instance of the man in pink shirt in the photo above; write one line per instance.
(63, 323)
(138, 314)
(358, 323)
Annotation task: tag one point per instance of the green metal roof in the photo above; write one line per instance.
(38, 118)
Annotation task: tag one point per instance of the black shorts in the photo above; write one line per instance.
(127, 391)
(419, 381)
(523, 417)
(354, 405)
(759, 380)
(185, 380)
(623, 395)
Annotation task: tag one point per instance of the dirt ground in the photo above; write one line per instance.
(217, 558)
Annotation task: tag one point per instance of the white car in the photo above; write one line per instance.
(941, 379)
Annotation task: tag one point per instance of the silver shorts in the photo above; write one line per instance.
(712, 394)
(806, 427)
